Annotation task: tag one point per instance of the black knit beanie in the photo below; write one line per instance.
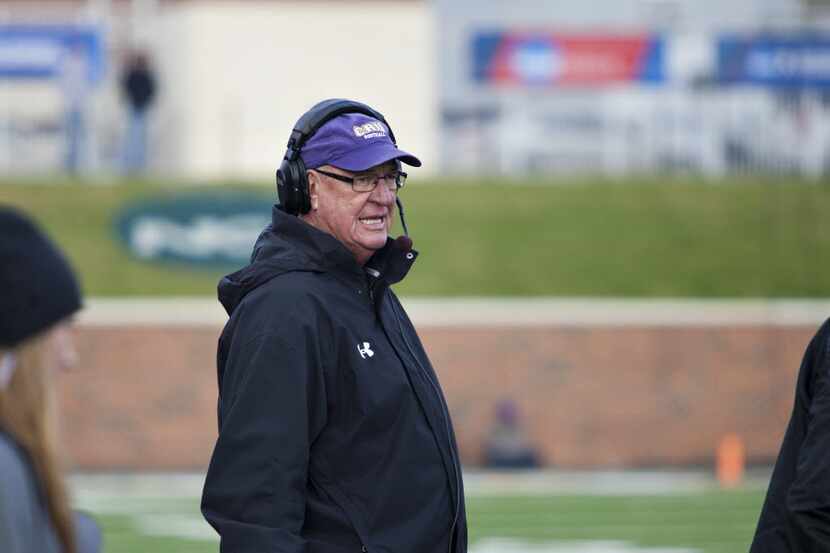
(37, 286)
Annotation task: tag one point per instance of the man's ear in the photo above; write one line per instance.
(313, 183)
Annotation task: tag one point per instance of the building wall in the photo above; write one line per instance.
(590, 394)
(236, 76)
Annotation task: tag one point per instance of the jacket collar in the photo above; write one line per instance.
(323, 252)
(318, 250)
(391, 263)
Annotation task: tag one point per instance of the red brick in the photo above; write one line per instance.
(145, 397)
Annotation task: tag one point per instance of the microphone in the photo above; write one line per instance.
(403, 242)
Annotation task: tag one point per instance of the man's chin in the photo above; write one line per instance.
(366, 249)
(376, 241)
(375, 246)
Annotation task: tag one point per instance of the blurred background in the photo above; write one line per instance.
(621, 218)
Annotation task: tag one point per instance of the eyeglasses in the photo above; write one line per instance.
(368, 181)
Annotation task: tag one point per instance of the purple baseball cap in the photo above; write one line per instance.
(354, 142)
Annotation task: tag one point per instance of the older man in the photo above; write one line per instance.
(334, 435)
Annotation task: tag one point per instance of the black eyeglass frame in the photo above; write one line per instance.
(400, 179)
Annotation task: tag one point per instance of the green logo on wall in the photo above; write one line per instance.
(207, 229)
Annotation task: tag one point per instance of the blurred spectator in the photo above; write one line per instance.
(506, 446)
(39, 294)
(138, 84)
(74, 83)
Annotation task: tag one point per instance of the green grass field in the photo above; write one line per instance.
(705, 522)
(635, 238)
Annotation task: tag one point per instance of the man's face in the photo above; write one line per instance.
(360, 220)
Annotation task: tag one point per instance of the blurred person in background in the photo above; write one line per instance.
(796, 513)
(138, 84)
(334, 435)
(38, 295)
(506, 445)
(75, 88)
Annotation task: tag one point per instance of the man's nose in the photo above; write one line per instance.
(383, 195)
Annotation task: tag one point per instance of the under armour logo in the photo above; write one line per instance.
(366, 350)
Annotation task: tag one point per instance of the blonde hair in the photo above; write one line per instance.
(27, 414)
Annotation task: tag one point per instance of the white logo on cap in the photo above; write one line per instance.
(369, 130)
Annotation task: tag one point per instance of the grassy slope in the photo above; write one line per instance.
(641, 238)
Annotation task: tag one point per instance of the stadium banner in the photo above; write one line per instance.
(201, 229)
(520, 59)
(41, 51)
(777, 61)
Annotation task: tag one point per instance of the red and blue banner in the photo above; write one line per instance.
(567, 59)
(778, 61)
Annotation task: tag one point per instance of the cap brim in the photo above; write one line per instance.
(366, 158)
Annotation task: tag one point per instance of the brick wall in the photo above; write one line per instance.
(589, 395)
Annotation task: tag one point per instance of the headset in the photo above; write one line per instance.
(292, 181)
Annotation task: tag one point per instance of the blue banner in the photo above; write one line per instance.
(779, 61)
(42, 51)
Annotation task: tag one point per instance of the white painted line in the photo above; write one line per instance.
(138, 485)
(152, 312)
(496, 312)
(107, 491)
(510, 545)
(614, 312)
(189, 527)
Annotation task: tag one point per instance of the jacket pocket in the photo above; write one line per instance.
(331, 520)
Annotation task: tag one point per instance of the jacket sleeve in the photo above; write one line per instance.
(18, 502)
(272, 407)
(16, 506)
(809, 496)
(87, 533)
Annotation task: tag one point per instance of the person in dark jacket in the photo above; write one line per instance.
(138, 84)
(796, 513)
(38, 295)
(334, 435)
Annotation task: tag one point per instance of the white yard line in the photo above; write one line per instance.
(138, 485)
(195, 528)
(99, 487)
(605, 482)
(501, 545)
(497, 312)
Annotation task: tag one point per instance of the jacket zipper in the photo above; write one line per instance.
(446, 415)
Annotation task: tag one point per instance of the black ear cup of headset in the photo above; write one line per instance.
(292, 181)
(292, 186)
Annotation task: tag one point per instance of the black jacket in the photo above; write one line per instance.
(334, 436)
(796, 514)
(140, 87)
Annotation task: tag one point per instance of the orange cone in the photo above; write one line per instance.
(731, 461)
